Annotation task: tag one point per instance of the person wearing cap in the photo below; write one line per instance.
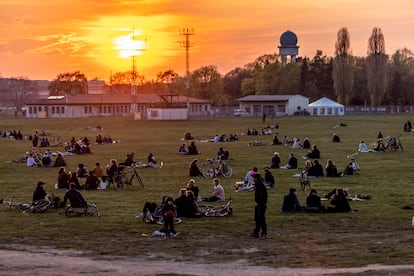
(275, 161)
(260, 198)
(39, 193)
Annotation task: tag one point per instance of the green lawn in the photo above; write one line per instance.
(378, 232)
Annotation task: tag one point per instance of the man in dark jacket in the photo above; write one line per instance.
(260, 198)
(75, 197)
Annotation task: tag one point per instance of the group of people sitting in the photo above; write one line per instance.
(190, 150)
(15, 134)
(338, 199)
(92, 179)
(223, 138)
(80, 146)
(103, 139)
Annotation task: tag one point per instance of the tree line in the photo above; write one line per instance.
(374, 80)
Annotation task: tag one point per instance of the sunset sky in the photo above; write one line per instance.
(40, 39)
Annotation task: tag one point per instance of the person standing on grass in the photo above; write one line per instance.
(169, 212)
(260, 198)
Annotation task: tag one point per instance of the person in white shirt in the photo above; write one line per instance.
(363, 147)
(31, 162)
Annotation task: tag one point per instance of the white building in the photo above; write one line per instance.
(276, 105)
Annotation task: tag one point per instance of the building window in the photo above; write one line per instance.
(90, 109)
(62, 109)
(154, 113)
(53, 110)
(30, 110)
(40, 108)
(85, 110)
(257, 109)
(35, 109)
(109, 109)
(314, 111)
(281, 108)
(104, 109)
(322, 111)
(100, 109)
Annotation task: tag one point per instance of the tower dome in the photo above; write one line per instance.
(288, 38)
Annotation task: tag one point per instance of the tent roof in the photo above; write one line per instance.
(325, 102)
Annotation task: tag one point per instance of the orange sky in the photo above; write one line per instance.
(40, 39)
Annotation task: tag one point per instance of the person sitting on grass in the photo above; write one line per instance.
(75, 198)
(193, 169)
(313, 203)
(39, 193)
(92, 181)
(182, 150)
(192, 149)
(275, 161)
(340, 201)
(330, 169)
(314, 153)
(292, 162)
(218, 192)
(31, 162)
(112, 169)
(291, 202)
(63, 179)
(60, 161)
(269, 179)
(316, 170)
(306, 143)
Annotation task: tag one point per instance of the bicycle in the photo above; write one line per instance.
(223, 169)
(304, 179)
(141, 165)
(89, 210)
(39, 206)
(217, 211)
(125, 176)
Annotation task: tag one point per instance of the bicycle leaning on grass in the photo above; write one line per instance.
(209, 170)
(38, 206)
(125, 176)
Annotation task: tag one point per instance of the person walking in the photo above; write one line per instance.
(260, 198)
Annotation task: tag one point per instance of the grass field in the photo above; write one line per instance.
(379, 231)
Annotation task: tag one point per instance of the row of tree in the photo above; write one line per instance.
(372, 80)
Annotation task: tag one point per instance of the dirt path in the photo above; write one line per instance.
(19, 260)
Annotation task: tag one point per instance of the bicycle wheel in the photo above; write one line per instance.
(119, 182)
(226, 170)
(74, 212)
(93, 210)
(207, 170)
(176, 221)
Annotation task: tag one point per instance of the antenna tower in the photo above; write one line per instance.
(186, 32)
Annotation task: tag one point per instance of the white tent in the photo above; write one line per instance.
(326, 107)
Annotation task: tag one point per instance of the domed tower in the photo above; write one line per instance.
(288, 47)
